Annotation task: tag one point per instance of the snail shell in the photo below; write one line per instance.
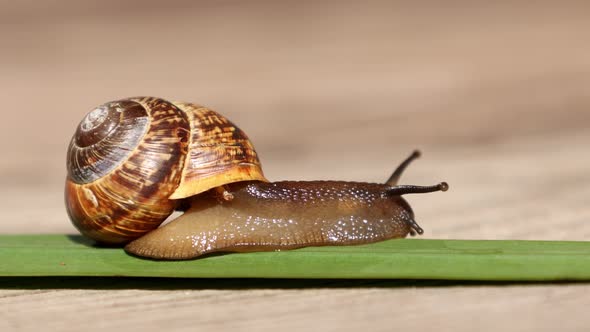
(130, 160)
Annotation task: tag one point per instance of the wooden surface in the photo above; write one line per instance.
(496, 96)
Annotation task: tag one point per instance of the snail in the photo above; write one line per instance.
(134, 161)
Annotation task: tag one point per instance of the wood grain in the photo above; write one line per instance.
(496, 95)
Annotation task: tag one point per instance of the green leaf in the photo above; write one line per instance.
(63, 255)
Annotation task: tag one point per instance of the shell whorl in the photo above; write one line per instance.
(129, 159)
(219, 153)
(118, 185)
(105, 138)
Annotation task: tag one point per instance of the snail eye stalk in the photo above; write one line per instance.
(409, 189)
(394, 178)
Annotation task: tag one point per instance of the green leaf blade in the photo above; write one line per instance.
(62, 255)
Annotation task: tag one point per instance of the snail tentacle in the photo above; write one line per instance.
(394, 178)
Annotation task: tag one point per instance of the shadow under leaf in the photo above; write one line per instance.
(116, 283)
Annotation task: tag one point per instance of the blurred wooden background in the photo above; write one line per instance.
(496, 95)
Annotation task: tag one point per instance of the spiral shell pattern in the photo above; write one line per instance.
(128, 157)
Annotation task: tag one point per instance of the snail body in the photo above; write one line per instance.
(132, 162)
(283, 215)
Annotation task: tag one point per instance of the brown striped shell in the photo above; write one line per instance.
(129, 159)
